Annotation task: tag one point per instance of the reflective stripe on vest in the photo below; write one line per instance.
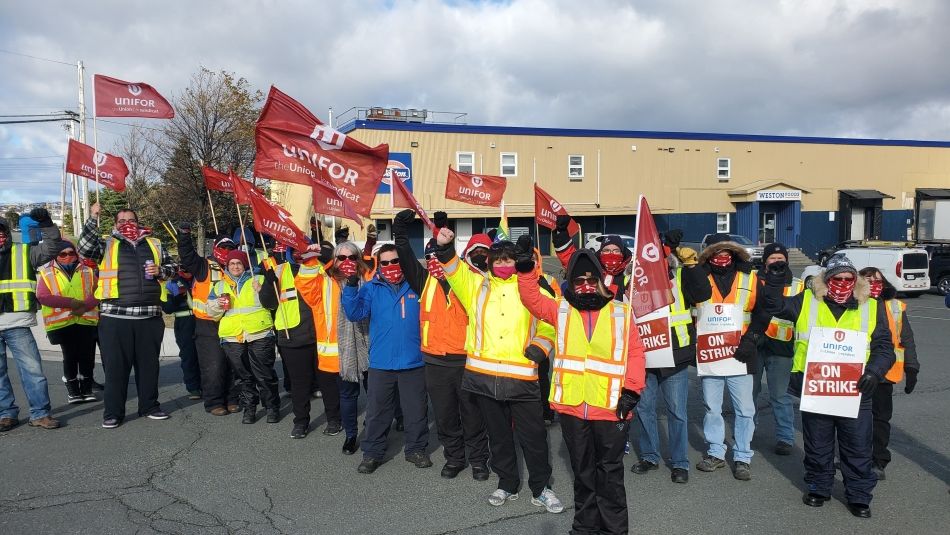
(329, 347)
(108, 286)
(428, 295)
(20, 286)
(480, 301)
(680, 316)
(288, 308)
(61, 285)
(246, 314)
(895, 321)
(784, 330)
(502, 368)
(816, 313)
(201, 289)
(740, 294)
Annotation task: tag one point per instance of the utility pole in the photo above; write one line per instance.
(81, 73)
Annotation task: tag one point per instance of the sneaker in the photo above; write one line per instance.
(499, 497)
(350, 446)
(549, 501)
(333, 429)
(742, 471)
(627, 447)
(643, 467)
(45, 422)
(710, 464)
(419, 458)
(111, 423)
(368, 466)
(85, 389)
(194, 394)
(783, 448)
(158, 414)
(73, 393)
(878, 471)
(299, 431)
(679, 475)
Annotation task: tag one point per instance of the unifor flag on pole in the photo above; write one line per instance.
(294, 146)
(217, 180)
(403, 198)
(546, 210)
(650, 281)
(327, 200)
(269, 218)
(480, 190)
(83, 160)
(117, 98)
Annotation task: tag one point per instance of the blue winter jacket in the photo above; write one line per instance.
(394, 340)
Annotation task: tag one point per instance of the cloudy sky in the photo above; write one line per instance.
(850, 68)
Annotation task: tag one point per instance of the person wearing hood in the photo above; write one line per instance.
(734, 290)
(613, 255)
(395, 359)
(246, 330)
(443, 324)
(775, 351)
(179, 307)
(18, 263)
(905, 350)
(476, 252)
(598, 379)
(65, 288)
(218, 388)
(504, 344)
(690, 286)
(838, 300)
(133, 267)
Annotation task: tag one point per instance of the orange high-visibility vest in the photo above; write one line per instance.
(442, 320)
(79, 287)
(201, 289)
(895, 320)
(784, 330)
(742, 293)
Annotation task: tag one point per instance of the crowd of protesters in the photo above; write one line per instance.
(494, 344)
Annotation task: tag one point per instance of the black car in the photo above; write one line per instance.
(940, 267)
(825, 254)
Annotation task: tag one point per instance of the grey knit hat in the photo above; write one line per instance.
(838, 263)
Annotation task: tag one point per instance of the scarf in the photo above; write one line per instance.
(353, 342)
(840, 290)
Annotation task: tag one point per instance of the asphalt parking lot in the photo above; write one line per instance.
(196, 473)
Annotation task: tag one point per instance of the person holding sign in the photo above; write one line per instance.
(843, 350)
(670, 342)
(905, 349)
(728, 328)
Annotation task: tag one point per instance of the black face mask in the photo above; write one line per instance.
(480, 261)
(593, 301)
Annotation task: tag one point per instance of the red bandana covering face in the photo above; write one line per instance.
(612, 261)
(435, 268)
(347, 267)
(839, 290)
(391, 273)
(3, 238)
(129, 230)
(876, 288)
(221, 255)
(721, 259)
(585, 288)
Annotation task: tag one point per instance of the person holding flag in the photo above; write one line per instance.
(613, 255)
(836, 312)
(598, 379)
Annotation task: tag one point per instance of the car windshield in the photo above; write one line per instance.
(741, 240)
(629, 243)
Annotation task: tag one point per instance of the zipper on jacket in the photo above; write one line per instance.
(402, 303)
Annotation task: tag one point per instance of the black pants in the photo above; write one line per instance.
(330, 386)
(529, 424)
(288, 375)
(854, 438)
(349, 399)
(218, 387)
(596, 451)
(882, 406)
(253, 363)
(458, 421)
(130, 344)
(381, 408)
(544, 381)
(300, 362)
(185, 340)
(78, 344)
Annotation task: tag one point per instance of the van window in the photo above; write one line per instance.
(915, 261)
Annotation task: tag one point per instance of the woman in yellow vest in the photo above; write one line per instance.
(882, 406)
(598, 377)
(65, 288)
(246, 329)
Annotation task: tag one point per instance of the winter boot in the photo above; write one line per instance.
(85, 389)
(73, 394)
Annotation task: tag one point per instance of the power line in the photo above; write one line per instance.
(36, 57)
(30, 157)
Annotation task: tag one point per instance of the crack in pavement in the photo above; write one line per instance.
(540, 511)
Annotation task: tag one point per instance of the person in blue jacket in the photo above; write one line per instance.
(395, 360)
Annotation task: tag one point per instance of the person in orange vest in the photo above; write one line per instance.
(598, 377)
(65, 288)
(905, 349)
(443, 323)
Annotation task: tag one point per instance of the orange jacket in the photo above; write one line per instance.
(442, 320)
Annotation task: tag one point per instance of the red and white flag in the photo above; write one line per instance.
(269, 218)
(328, 201)
(403, 198)
(294, 146)
(116, 98)
(480, 190)
(81, 160)
(217, 180)
(650, 281)
(546, 210)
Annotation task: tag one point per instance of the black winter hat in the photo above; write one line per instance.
(613, 239)
(584, 264)
(718, 238)
(775, 248)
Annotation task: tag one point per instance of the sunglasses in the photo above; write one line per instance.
(121, 221)
(393, 262)
(342, 257)
(584, 280)
(66, 254)
(842, 279)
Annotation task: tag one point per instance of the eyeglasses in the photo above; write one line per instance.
(121, 221)
(584, 280)
(341, 257)
(392, 262)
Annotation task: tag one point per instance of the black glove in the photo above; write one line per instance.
(911, 383)
(440, 219)
(326, 252)
(404, 218)
(747, 348)
(184, 227)
(41, 216)
(562, 222)
(313, 223)
(868, 382)
(269, 275)
(628, 400)
(524, 259)
(342, 234)
(353, 280)
(776, 273)
(535, 354)
(673, 238)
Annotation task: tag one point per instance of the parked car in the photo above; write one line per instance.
(593, 241)
(825, 254)
(755, 251)
(904, 267)
(940, 267)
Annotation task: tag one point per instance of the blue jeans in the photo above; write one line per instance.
(714, 427)
(777, 371)
(22, 345)
(675, 390)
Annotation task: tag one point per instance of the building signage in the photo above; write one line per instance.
(400, 163)
(778, 195)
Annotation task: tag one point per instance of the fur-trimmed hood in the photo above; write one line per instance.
(862, 290)
(738, 251)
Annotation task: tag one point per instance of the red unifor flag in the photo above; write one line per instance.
(650, 281)
(294, 146)
(328, 201)
(269, 218)
(480, 190)
(546, 210)
(115, 98)
(81, 160)
(217, 180)
(403, 198)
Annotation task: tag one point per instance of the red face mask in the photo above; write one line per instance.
(667, 251)
(3, 239)
(220, 254)
(391, 273)
(722, 259)
(839, 290)
(503, 272)
(184, 274)
(348, 267)
(612, 262)
(876, 288)
(435, 268)
(129, 230)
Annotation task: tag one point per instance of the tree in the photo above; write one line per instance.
(13, 220)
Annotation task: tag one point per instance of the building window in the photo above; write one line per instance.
(722, 223)
(724, 169)
(509, 164)
(575, 167)
(465, 162)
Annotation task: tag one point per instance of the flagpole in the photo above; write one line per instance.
(537, 229)
(95, 141)
(213, 218)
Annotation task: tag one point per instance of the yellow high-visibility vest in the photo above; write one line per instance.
(20, 286)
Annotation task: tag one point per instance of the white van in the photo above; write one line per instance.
(904, 267)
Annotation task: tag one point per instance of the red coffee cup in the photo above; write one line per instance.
(227, 302)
